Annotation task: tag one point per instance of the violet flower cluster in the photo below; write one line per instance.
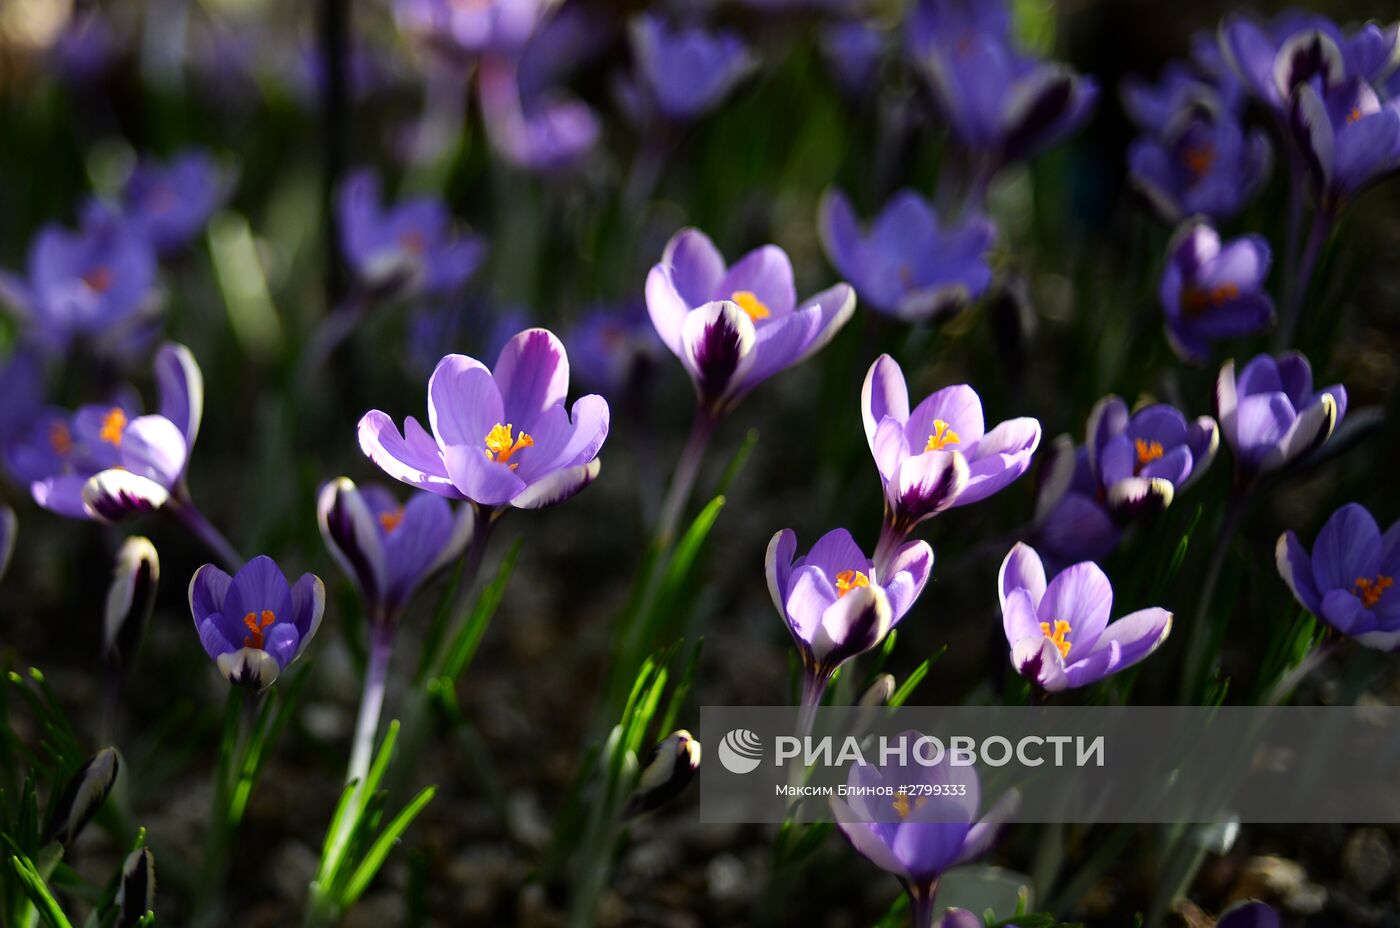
(1348, 580)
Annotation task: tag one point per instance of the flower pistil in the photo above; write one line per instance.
(255, 625)
(750, 303)
(848, 580)
(1059, 637)
(500, 445)
(1371, 590)
(113, 425)
(942, 435)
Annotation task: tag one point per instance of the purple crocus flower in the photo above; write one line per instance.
(1349, 138)
(1000, 103)
(687, 70)
(1248, 915)
(960, 918)
(171, 203)
(1272, 59)
(1349, 579)
(499, 437)
(1141, 459)
(107, 461)
(22, 386)
(1205, 163)
(86, 48)
(1213, 290)
(1059, 632)
(1270, 415)
(914, 834)
(735, 326)
(386, 547)
(540, 132)
(405, 249)
(94, 284)
(1180, 89)
(1072, 521)
(835, 603)
(486, 26)
(907, 266)
(253, 624)
(940, 454)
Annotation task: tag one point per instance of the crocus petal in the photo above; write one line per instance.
(413, 457)
(1344, 612)
(1227, 403)
(532, 374)
(1313, 129)
(836, 551)
(211, 638)
(308, 607)
(765, 272)
(208, 588)
(112, 495)
(777, 566)
(866, 838)
(1082, 596)
(1264, 421)
(1203, 438)
(1135, 636)
(1348, 546)
(1307, 432)
(1002, 456)
(839, 230)
(558, 486)
(478, 478)
(909, 571)
(258, 586)
(181, 385)
(959, 918)
(890, 447)
(1108, 418)
(928, 483)
(591, 418)
(251, 667)
(695, 265)
(62, 495)
(282, 643)
(1295, 567)
(1079, 527)
(852, 625)
(1021, 569)
(883, 394)
(828, 310)
(154, 447)
(958, 406)
(1037, 659)
(352, 535)
(717, 342)
(982, 835)
(666, 307)
(464, 402)
(809, 594)
(1018, 616)
(1138, 497)
(1174, 466)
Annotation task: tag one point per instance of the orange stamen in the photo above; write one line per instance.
(1195, 300)
(848, 580)
(113, 426)
(942, 435)
(98, 279)
(1371, 591)
(254, 638)
(500, 446)
(390, 520)
(1147, 452)
(61, 439)
(1059, 637)
(750, 303)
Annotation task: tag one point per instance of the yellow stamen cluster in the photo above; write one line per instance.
(1354, 115)
(942, 435)
(255, 626)
(113, 426)
(390, 520)
(848, 580)
(1059, 637)
(500, 445)
(1196, 300)
(750, 303)
(902, 805)
(1370, 590)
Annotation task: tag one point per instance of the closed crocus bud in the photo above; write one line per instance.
(83, 796)
(669, 768)
(137, 894)
(960, 918)
(9, 526)
(130, 598)
(879, 692)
